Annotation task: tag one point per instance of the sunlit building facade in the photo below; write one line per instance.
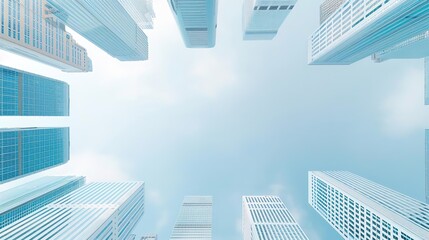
(195, 219)
(360, 209)
(263, 18)
(101, 210)
(28, 28)
(197, 21)
(24, 199)
(27, 94)
(267, 218)
(26, 151)
(107, 24)
(361, 28)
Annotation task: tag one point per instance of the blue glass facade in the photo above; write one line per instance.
(24, 199)
(26, 94)
(107, 24)
(26, 151)
(99, 210)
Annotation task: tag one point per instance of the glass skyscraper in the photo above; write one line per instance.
(28, 28)
(29, 150)
(102, 210)
(267, 218)
(195, 219)
(141, 11)
(361, 28)
(263, 18)
(197, 21)
(427, 165)
(107, 24)
(360, 209)
(27, 94)
(19, 201)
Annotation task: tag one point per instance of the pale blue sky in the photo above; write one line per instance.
(243, 118)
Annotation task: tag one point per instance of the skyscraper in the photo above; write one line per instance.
(19, 201)
(29, 29)
(104, 210)
(107, 24)
(141, 11)
(427, 165)
(195, 219)
(360, 209)
(27, 94)
(358, 29)
(267, 218)
(426, 62)
(328, 7)
(29, 150)
(263, 18)
(197, 21)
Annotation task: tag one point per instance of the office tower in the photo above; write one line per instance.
(263, 18)
(426, 63)
(29, 29)
(27, 94)
(26, 151)
(427, 165)
(107, 24)
(360, 209)
(197, 21)
(102, 210)
(141, 11)
(195, 219)
(328, 7)
(149, 237)
(360, 28)
(27, 198)
(267, 218)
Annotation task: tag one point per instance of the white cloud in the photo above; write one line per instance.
(95, 166)
(212, 75)
(404, 109)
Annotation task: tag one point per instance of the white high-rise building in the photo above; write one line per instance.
(360, 209)
(263, 18)
(29, 28)
(197, 20)
(358, 29)
(328, 7)
(105, 210)
(267, 218)
(195, 219)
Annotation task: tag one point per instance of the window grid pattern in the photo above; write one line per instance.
(263, 18)
(107, 24)
(26, 151)
(195, 219)
(26, 94)
(267, 218)
(197, 20)
(30, 29)
(93, 211)
(359, 28)
(37, 202)
(353, 219)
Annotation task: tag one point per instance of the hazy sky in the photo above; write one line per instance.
(243, 118)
